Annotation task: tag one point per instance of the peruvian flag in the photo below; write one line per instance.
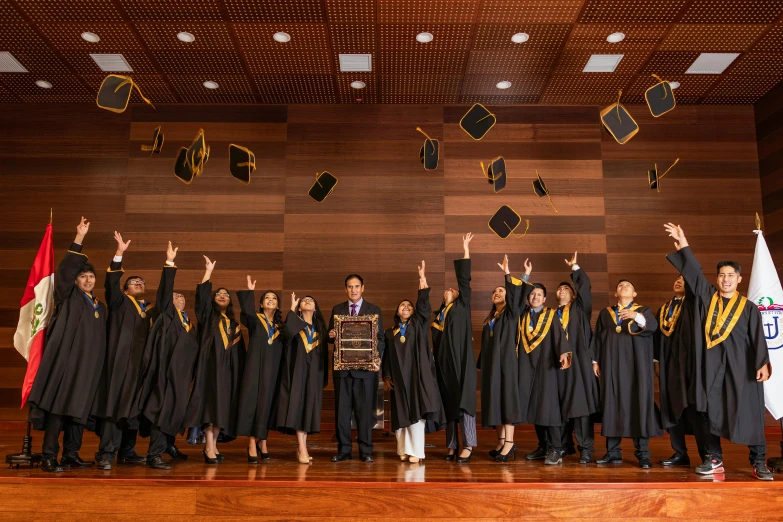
(765, 291)
(36, 310)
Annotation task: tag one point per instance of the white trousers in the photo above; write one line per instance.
(410, 440)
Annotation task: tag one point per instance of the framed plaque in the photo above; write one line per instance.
(356, 343)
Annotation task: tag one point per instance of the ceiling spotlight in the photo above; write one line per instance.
(358, 85)
(674, 85)
(210, 84)
(43, 84)
(424, 37)
(186, 37)
(503, 85)
(520, 38)
(615, 37)
(91, 37)
(281, 37)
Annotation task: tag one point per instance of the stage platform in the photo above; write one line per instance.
(282, 489)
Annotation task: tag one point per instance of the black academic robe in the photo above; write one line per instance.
(542, 397)
(129, 328)
(218, 374)
(580, 332)
(409, 364)
(67, 378)
(303, 379)
(452, 339)
(168, 363)
(258, 394)
(735, 401)
(499, 365)
(627, 375)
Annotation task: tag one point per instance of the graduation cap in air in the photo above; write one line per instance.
(495, 173)
(429, 153)
(654, 179)
(157, 142)
(660, 97)
(505, 221)
(540, 188)
(190, 163)
(241, 162)
(618, 122)
(323, 186)
(115, 92)
(477, 121)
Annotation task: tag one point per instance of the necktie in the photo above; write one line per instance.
(353, 308)
(560, 312)
(184, 317)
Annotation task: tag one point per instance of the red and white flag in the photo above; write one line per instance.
(36, 310)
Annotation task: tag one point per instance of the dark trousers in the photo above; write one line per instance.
(642, 445)
(550, 437)
(72, 437)
(758, 453)
(115, 437)
(159, 442)
(585, 434)
(357, 395)
(701, 429)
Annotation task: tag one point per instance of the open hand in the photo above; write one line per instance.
(528, 267)
(572, 262)
(210, 264)
(171, 253)
(121, 247)
(294, 301)
(251, 285)
(504, 265)
(83, 227)
(421, 270)
(675, 231)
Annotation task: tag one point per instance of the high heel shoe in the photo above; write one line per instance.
(207, 459)
(511, 453)
(252, 459)
(450, 457)
(495, 452)
(465, 460)
(261, 454)
(303, 460)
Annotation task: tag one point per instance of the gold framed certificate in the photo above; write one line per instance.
(356, 343)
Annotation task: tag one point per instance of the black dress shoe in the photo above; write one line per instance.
(220, 458)
(610, 459)
(175, 453)
(50, 466)
(341, 457)
(677, 460)
(539, 454)
(585, 457)
(568, 451)
(104, 464)
(645, 463)
(207, 459)
(451, 457)
(251, 459)
(75, 462)
(465, 460)
(157, 462)
(367, 458)
(133, 459)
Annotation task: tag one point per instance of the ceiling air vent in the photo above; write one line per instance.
(711, 63)
(602, 63)
(355, 63)
(112, 62)
(10, 64)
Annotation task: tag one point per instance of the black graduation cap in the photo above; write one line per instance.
(496, 173)
(540, 188)
(505, 221)
(323, 186)
(660, 97)
(430, 152)
(654, 179)
(157, 142)
(618, 122)
(477, 121)
(115, 92)
(181, 169)
(191, 163)
(241, 162)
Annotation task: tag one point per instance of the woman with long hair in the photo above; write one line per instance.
(304, 374)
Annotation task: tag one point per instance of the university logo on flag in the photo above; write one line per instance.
(772, 319)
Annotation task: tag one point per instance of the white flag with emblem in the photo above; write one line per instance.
(765, 291)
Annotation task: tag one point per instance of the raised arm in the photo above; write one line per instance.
(293, 323)
(526, 288)
(71, 265)
(114, 294)
(165, 296)
(686, 263)
(584, 292)
(512, 289)
(204, 297)
(247, 305)
(423, 306)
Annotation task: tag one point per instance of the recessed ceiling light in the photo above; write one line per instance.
(615, 37)
(210, 84)
(186, 37)
(602, 63)
(281, 37)
(520, 38)
(424, 37)
(43, 84)
(674, 85)
(91, 37)
(503, 85)
(358, 85)
(711, 63)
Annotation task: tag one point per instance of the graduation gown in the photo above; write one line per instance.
(218, 368)
(575, 318)
(67, 378)
(258, 394)
(129, 328)
(168, 363)
(626, 383)
(303, 379)
(455, 362)
(735, 401)
(499, 365)
(542, 397)
(409, 364)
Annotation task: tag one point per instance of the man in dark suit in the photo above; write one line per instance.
(355, 390)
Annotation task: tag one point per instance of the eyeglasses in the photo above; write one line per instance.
(136, 282)
(221, 294)
(308, 300)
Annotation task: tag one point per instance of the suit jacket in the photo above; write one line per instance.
(367, 308)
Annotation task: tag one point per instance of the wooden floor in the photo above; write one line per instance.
(283, 489)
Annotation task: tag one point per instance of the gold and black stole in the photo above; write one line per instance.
(272, 330)
(722, 320)
(531, 336)
(309, 337)
(440, 322)
(667, 319)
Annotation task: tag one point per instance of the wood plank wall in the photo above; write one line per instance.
(769, 132)
(386, 213)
